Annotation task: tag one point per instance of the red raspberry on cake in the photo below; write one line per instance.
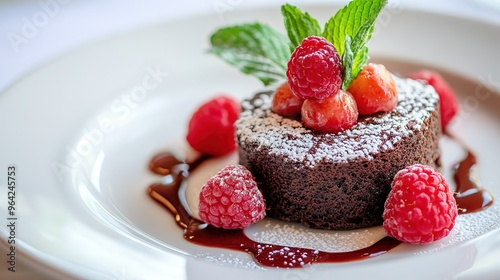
(374, 90)
(285, 103)
(211, 128)
(231, 199)
(314, 69)
(448, 100)
(333, 114)
(420, 207)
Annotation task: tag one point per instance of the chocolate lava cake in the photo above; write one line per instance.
(341, 180)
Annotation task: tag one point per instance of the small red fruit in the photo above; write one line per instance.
(314, 69)
(231, 199)
(285, 103)
(448, 100)
(333, 114)
(211, 128)
(420, 207)
(374, 90)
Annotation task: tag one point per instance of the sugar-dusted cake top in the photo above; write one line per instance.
(261, 127)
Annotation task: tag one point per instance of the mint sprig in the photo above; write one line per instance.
(355, 21)
(256, 49)
(259, 50)
(298, 25)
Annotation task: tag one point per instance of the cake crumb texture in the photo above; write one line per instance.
(337, 180)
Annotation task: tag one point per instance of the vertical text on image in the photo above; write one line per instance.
(11, 221)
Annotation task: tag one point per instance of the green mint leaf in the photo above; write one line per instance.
(353, 65)
(359, 61)
(350, 19)
(347, 63)
(349, 30)
(364, 34)
(255, 49)
(298, 25)
(357, 57)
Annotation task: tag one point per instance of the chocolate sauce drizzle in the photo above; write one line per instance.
(198, 232)
(469, 196)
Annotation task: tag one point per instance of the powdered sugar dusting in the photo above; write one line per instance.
(259, 126)
(273, 232)
(467, 227)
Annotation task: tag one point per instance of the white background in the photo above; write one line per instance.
(33, 33)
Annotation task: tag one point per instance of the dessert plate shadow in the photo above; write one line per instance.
(81, 130)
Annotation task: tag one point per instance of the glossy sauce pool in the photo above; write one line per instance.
(469, 196)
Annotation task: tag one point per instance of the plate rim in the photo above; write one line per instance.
(46, 266)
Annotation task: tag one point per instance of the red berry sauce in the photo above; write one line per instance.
(265, 254)
(469, 195)
(470, 198)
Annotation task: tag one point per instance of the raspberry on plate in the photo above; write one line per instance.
(420, 207)
(447, 98)
(333, 114)
(285, 103)
(231, 199)
(211, 128)
(314, 69)
(374, 90)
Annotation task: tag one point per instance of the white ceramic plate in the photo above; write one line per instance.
(80, 132)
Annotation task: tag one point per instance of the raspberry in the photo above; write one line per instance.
(231, 199)
(374, 90)
(211, 128)
(314, 69)
(420, 207)
(333, 114)
(285, 103)
(448, 101)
